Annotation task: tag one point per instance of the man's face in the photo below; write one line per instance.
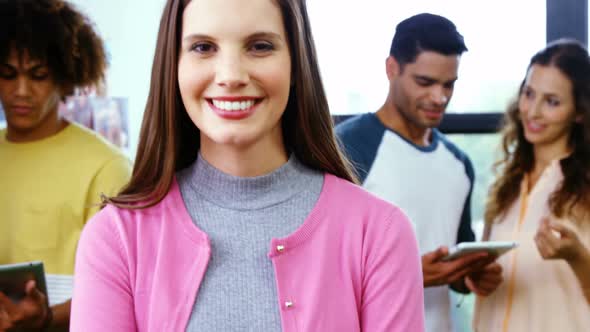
(422, 90)
(28, 93)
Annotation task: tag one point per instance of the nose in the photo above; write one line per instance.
(439, 95)
(23, 87)
(532, 108)
(231, 72)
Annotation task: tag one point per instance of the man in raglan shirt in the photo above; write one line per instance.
(400, 156)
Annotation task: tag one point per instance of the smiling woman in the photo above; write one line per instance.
(242, 89)
(242, 213)
(541, 199)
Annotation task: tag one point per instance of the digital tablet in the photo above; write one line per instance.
(14, 277)
(495, 248)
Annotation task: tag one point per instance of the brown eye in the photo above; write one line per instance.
(202, 47)
(528, 93)
(553, 102)
(262, 47)
(424, 82)
(7, 73)
(39, 75)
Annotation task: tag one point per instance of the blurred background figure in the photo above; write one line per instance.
(402, 157)
(110, 120)
(541, 199)
(52, 172)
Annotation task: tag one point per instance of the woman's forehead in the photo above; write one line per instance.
(205, 16)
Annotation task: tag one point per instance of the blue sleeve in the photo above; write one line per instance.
(359, 138)
(465, 233)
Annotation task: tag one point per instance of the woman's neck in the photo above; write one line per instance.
(544, 156)
(247, 161)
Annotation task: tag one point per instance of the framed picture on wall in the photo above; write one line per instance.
(111, 120)
(78, 109)
(108, 116)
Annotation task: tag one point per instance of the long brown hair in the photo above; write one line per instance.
(572, 59)
(169, 141)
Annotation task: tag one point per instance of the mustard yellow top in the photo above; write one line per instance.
(537, 295)
(49, 189)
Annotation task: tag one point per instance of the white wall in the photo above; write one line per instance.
(353, 39)
(129, 28)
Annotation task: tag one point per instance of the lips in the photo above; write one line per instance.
(534, 127)
(234, 108)
(233, 105)
(433, 114)
(21, 109)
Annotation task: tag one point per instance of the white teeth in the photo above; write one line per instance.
(535, 126)
(233, 105)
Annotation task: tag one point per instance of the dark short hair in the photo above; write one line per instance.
(55, 33)
(425, 32)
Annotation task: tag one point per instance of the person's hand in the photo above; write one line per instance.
(485, 280)
(557, 240)
(437, 272)
(29, 313)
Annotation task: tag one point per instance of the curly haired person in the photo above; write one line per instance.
(53, 172)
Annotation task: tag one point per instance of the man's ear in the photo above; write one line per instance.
(392, 67)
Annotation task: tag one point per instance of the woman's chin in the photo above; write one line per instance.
(233, 140)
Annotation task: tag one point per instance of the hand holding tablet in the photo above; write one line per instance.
(14, 277)
(23, 297)
(495, 248)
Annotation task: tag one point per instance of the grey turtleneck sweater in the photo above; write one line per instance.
(241, 216)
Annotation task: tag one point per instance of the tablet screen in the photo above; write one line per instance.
(14, 277)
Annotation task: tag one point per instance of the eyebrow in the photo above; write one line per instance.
(432, 80)
(256, 35)
(32, 68)
(546, 94)
(268, 35)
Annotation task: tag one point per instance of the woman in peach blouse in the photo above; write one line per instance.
(541, 199)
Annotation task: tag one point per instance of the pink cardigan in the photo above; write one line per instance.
(352, 266)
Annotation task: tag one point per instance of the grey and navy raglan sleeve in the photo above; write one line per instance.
(359, 137)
